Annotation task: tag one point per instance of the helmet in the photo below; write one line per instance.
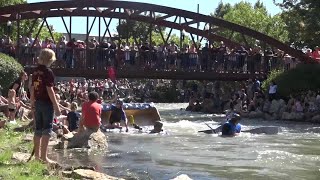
(235, 116)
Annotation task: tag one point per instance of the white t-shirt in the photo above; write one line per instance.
(273, 89)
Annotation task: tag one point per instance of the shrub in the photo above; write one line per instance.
(9, 71)
(165, 95)
(303, 78)
(271, 77)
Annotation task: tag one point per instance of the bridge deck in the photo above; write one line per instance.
(153, 74)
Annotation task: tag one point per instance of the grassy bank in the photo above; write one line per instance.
(11, 142)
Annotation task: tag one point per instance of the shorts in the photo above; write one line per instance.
(43, 118)
(112, 121)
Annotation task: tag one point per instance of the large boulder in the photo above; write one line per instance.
(255, 114)
(88, 139)
(287, 116)
(292, 116)
(316, 119)
(20, 157)
(88, 174)
(281, 111)
(275, 106)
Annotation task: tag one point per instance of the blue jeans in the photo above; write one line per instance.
(43, 118)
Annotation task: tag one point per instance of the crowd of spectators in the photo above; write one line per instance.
(93, 54)
(249, 99)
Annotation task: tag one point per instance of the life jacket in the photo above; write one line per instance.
(232, 129)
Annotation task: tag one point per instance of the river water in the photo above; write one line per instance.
(292, 154)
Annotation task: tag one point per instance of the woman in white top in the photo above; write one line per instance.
(272, 90)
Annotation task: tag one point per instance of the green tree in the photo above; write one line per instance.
(259, 5)
(221, 10)
(25, 25)
(295, 81)
(135, 29)
(141, 31)
(256, 18)
(11, 2)
(302, 17)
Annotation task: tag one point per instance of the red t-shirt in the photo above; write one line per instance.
(91, 112)
(316, 55)
(42, 78)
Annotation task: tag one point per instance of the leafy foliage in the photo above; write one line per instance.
(274, 74)
(222, 10)
(11, 2)
(301, 79)
(302, 18)
(255, 17)
(25, 25)
(141, 31)
(165, 95)
(9, 71)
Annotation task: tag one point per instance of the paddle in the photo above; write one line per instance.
(212, 131)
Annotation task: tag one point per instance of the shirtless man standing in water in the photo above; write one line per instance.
(117, 114)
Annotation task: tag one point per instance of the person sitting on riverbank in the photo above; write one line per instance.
(232, 127)
(117, 114)
(73, 118)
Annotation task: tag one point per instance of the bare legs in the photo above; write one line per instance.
(41, 148)
(36, 144)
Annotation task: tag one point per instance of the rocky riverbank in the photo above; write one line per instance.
(15, 150)
(278, 110)
(16, 147)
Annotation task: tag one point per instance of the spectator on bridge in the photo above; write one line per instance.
(316, 54)
(268, 55)
(221, 52)
(61, 52)
(70, 46)
(242, 58)
(205, 57)
(193, 55)
(172, 50)
(45, 43)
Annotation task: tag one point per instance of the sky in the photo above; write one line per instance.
(206, 7)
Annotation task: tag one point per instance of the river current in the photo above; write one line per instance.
(292, 154)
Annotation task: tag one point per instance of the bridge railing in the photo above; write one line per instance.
(101, 58)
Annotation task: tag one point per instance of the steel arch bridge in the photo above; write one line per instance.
(144, 12)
